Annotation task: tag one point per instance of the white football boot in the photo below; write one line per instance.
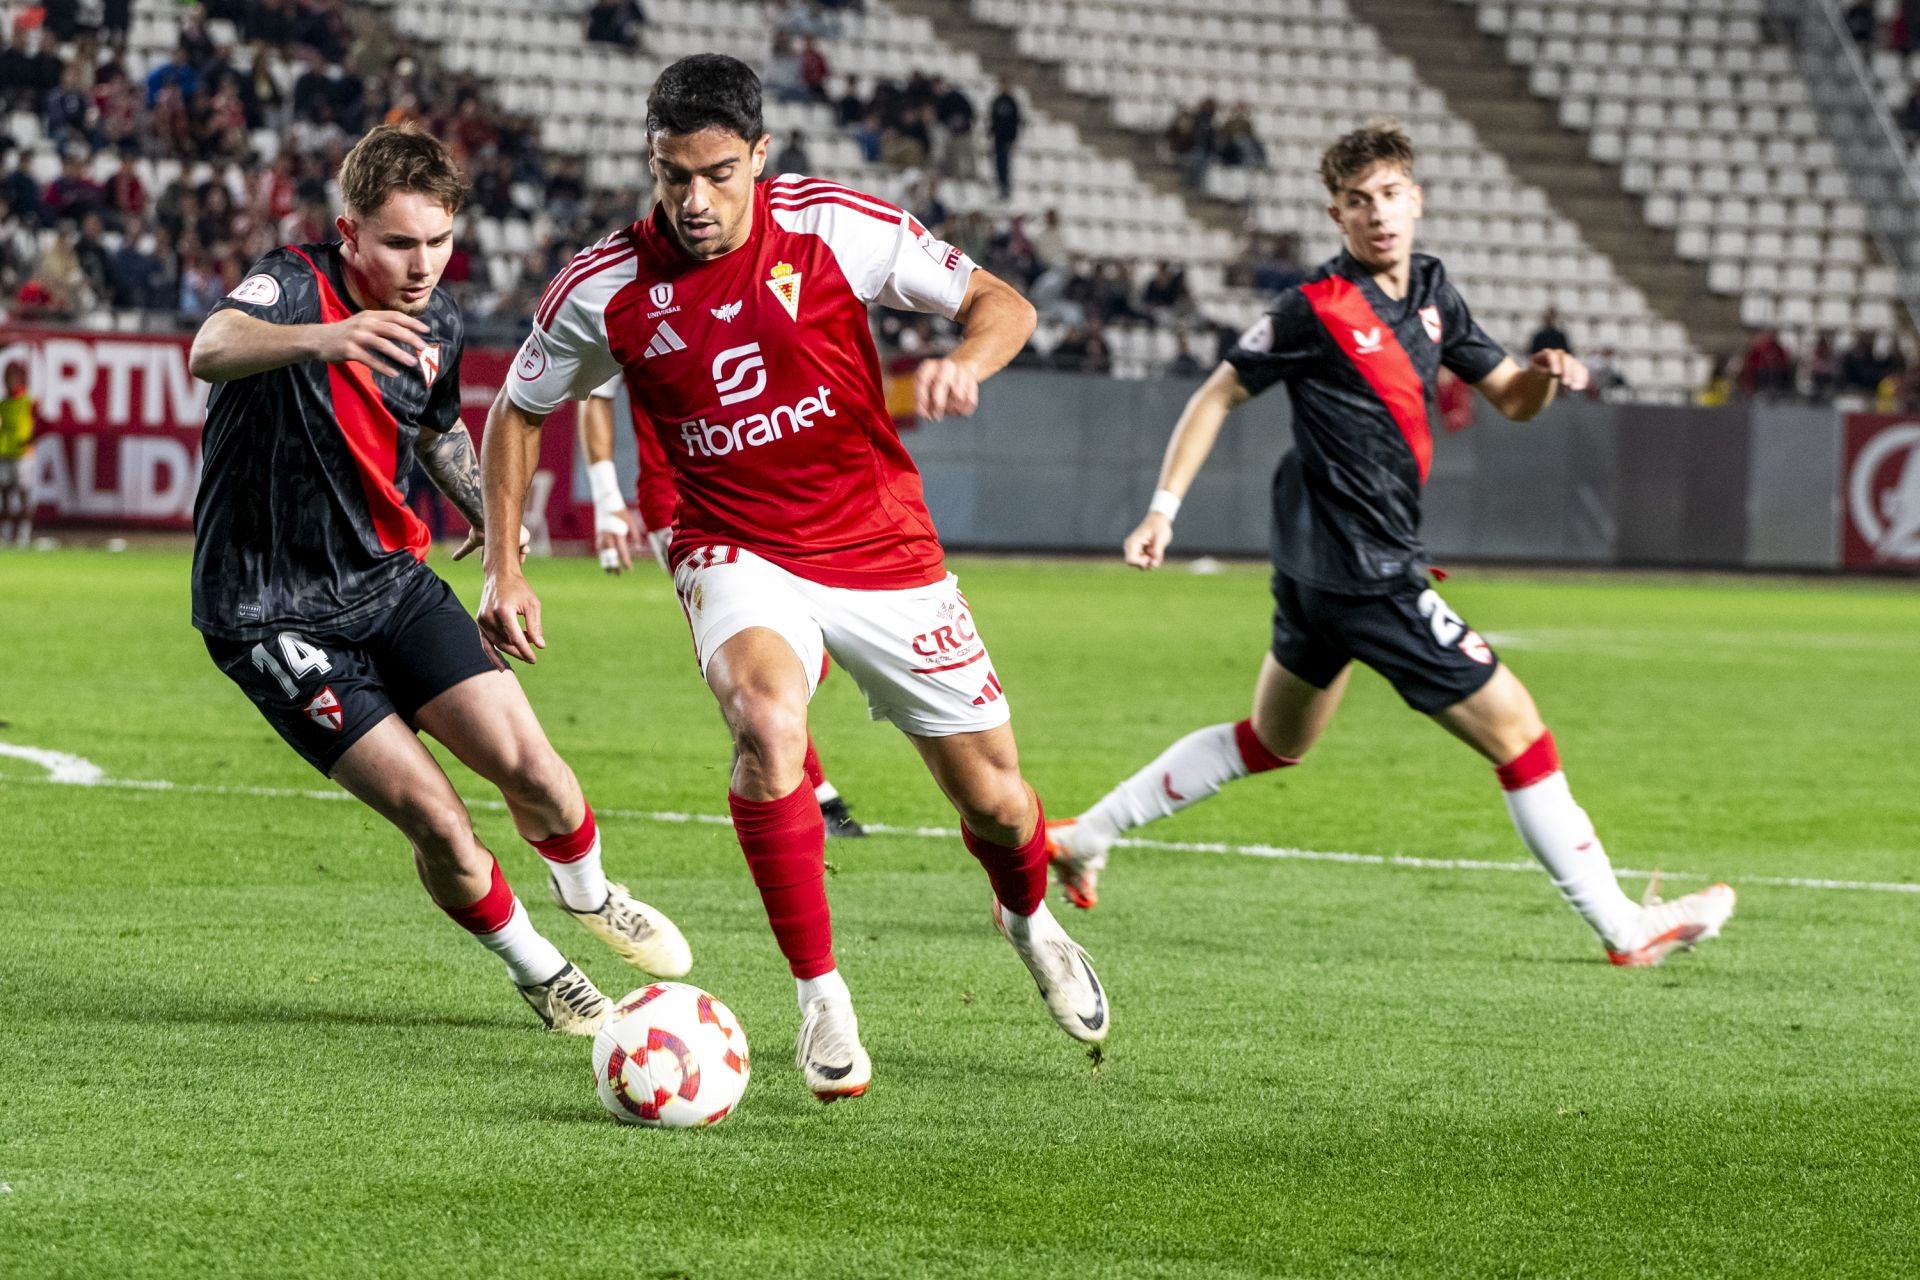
(1061, 970)
(1078, 856)
(1669, 926)
(641, 935)
(568, 1002)
(828, 1051)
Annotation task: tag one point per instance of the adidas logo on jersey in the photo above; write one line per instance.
(989, 692)
(665, 341)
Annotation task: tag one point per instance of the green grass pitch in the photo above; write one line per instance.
(237, 1040)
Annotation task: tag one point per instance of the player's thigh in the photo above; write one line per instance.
(1290, 713)
(488, 724)
(917, 655)
(1309, 654)
(979, 773)
(391, 771)
(1413, 638)
(426, 645)
(319, 694)
(1499, 720)
(727, 593)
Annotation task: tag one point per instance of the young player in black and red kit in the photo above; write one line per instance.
(1359, 345)
(334, 366)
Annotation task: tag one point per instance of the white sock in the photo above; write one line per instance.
(583, 882)
(825, 793)
(1561, 836)
(829, 985)
(530, 958)
(1041, 921)
(1186, 773)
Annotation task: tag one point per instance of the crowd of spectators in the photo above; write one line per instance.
(1200, 137)
(1868, 369)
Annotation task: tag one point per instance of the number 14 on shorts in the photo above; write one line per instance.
(296, 660)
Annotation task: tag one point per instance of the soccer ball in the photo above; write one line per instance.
(670, 1056)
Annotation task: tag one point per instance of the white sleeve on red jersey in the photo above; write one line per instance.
(884, 252)
(566, 356)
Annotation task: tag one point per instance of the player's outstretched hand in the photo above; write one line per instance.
(381, 340)
(944, 389)
(614, 537)
(1146, 546)
(505, 598)
(477, 541)
(1556, 363)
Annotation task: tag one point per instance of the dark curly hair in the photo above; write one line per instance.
(1376, 142)
(706, 91)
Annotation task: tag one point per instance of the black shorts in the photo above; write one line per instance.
(323, 691)
(1409, 635)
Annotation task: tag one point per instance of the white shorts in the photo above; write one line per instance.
(915, 654)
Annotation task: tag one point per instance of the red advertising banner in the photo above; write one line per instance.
(117, 433)
(1880, 492)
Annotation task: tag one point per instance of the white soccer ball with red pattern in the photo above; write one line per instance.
(670, 1056)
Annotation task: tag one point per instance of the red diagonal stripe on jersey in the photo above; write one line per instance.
(794, 204)
(372, 436)
(557, 292)
(1343, 310)
(815, 187)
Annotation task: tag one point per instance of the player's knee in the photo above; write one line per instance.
(998, 808)
(442, 832)
(768, 734)
(535, 777)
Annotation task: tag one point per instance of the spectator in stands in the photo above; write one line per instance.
(954, 110)
(19, 190)
(783, 77)
(1549, 336)
(814, 72)
(133, 270)
(19, 248)
(73, 194)
(929, 207)
(1861, 22)
(17, 73)
(1084, 349)
(90, 255)
(1003, 126)
(175, 73)
(223, 125)
(617, 22)
(1239, 146)
(1767, 368)
(1165, 295)
(1275, 263)
(62, 292)
(866, 135)
(116, 107)
(793, 157)
(1049, 242)
(116, 19)
(199, 285)
(1183, 364)
(909, 142)
(849, 107)
(1820, 371)
(66, 111)
(1197, 140)
(1861, 368)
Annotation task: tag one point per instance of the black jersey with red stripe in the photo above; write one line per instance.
(1360, 369)
(301, 522)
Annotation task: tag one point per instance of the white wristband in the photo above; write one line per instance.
(604, 481)
(1165, 502)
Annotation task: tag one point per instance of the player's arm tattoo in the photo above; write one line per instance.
(454, 467)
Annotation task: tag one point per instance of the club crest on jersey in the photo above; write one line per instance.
(1368, 342)
(1430, 320)
(661, 295)
(260, 290)
(324, 710)
(430, 363)
(727, 312)
(785, 283)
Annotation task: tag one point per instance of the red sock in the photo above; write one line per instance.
(569, 846)
(785, 841)
(1254, 753)
(1019, 876)
(811, 766)
(491, 913)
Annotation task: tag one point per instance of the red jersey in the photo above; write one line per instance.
(759, 375)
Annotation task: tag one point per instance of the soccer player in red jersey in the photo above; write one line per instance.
(616, 538)
(333, 367)
(737, 314)
(1359, 345)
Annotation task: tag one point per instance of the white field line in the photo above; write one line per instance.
(1279, 852)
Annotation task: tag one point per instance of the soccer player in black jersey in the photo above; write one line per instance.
(1359, 345)
(333, 367)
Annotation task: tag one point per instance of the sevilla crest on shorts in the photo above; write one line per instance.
(1430, 318)
(324, 710)
(785, 283)
(429, 363)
